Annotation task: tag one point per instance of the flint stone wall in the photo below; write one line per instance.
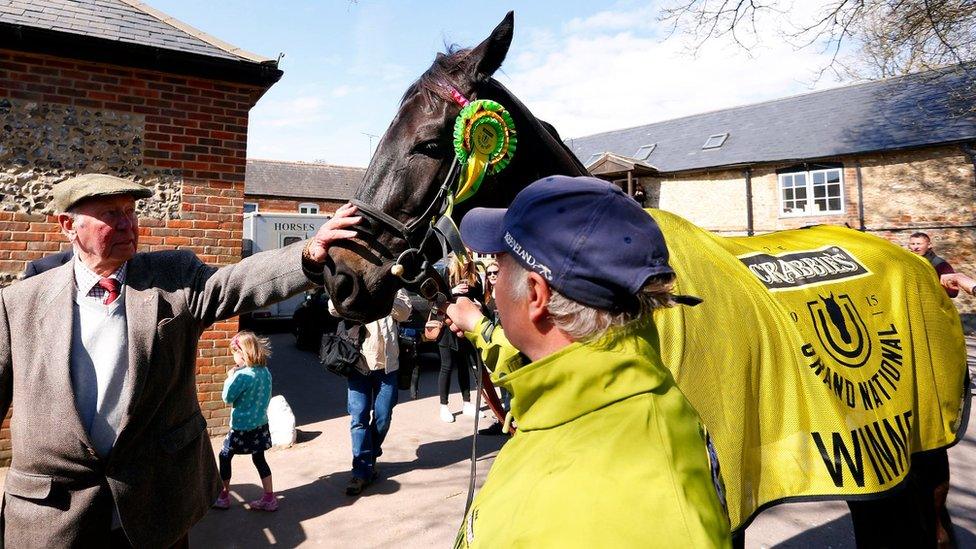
(42, 144)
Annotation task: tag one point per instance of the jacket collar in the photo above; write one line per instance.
(56, 320)
(584, 377)
(141, 306)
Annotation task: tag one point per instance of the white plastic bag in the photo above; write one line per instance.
(281, 422)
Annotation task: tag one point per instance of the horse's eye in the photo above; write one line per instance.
(432, 148)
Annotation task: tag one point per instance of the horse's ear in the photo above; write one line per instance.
(487, 56)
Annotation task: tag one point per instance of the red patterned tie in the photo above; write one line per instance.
(111, 286)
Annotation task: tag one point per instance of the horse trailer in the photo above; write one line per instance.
(270, 230)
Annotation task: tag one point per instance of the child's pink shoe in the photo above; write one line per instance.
(264, 504)
(223, 501)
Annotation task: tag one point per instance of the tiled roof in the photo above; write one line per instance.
(896, 113)
(126, 21)
(301, 179)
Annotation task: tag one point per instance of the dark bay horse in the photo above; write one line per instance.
(821, 360)
(414, 157)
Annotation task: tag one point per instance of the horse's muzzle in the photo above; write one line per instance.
(360, 290)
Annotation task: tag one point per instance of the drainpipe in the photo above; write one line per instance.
(747, 173)
(860, 197)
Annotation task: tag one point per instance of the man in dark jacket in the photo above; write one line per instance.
(921, 244)
(42, 264)
(933, 467)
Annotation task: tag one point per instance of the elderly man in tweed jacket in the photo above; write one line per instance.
(98, 358)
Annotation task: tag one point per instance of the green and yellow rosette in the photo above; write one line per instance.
(484, 142)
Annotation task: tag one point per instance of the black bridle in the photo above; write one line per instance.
(413, 266)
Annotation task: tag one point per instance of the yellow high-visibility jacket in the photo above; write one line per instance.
(608, 452)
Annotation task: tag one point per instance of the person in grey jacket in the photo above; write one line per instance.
(98, 360)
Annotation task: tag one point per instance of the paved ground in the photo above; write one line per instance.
(425, 469)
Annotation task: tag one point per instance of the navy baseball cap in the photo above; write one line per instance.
(585, 236)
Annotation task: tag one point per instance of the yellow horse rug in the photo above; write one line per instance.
(820, 361)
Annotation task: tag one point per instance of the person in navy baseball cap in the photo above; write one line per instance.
(581, 269)
(590, 241)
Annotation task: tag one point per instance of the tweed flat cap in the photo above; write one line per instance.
(72, 191)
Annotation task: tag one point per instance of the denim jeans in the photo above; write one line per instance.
(375, 392)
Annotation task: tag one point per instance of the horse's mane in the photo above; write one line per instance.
(443, 72)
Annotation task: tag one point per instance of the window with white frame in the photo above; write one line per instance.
(812, 192)
(308, 208)
(250, 207)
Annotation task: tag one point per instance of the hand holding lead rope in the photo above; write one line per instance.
(463, 315)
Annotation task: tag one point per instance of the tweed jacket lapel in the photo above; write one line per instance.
(141, 306)
(56, 321)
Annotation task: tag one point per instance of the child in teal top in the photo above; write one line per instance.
(248, 390)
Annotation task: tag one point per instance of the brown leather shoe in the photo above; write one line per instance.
(356, 486)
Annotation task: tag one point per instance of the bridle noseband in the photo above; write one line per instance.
(412, 266)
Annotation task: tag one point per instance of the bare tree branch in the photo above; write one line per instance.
(864, 38)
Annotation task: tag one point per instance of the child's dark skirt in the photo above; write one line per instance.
(247, 442)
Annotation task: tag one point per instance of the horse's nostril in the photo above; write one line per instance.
(344, 288)
(360, 292)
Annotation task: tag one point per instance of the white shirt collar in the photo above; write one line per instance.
(86, 279)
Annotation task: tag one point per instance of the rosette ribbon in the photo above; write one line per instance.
(484, 142)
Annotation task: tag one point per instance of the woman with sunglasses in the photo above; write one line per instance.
(491, 278)
(456, 352)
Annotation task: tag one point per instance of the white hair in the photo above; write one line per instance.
(582, 322)
(76, 221)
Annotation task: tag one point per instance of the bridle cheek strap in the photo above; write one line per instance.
(436, 220)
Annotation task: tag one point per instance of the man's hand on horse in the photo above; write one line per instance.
(958, 281)
(334, 229)
(463, 315)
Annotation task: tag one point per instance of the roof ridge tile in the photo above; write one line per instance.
(197, 33)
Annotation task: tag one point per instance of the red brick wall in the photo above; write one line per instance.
(196, 126)
(276, 204)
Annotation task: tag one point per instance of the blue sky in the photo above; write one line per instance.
(586, 69)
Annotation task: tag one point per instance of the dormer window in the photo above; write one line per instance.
(715, 141)
(645, 151)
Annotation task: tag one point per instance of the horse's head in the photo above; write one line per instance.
(402, 186)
